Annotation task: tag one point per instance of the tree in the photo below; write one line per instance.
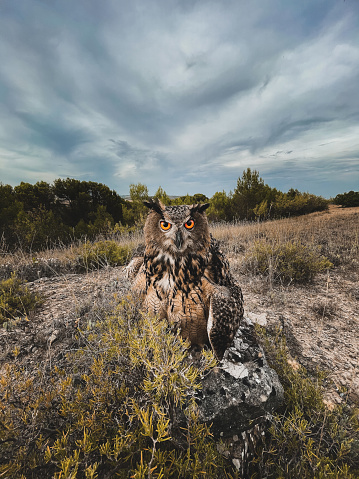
(220, 207)
(138, 192)
(37, 229)
(136, 210)
(199, 198)
(261, 210)
(162, 196)
(35, 196)
(101, 195)
(72, 201)
(295, 203)
(250, 192)
(293, 193)
(79, 200)
(347, 199)
(191, 200)
(103, 221)
(10, 208)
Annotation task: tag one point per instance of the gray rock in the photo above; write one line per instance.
(259, 318)
(239, 396)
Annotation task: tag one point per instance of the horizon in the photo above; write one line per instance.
(127, 196)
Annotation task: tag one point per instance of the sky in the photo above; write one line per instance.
(182, 94)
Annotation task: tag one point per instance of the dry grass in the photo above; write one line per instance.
(332, 234)
(335, 231)
(62, 259)
(319, 317)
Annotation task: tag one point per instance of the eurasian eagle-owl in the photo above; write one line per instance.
(183, 276)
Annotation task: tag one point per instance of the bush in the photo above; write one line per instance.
(287, 262)
(309, 440)
(347, 199)
(16, 300)
(295, 203)
(103, 253)
(121, 406)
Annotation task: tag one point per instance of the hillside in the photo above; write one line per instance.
(320, 319)
(318, 315)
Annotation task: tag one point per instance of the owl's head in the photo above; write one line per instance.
(177, 230)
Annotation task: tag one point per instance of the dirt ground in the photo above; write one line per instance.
(71, 300)
(320, 320)
(321, 325)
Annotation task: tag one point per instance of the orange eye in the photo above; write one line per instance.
(165, 226)
(189, 225)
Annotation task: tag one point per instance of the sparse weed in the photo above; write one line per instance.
(79, 257)
(16, 300)
(325, 309)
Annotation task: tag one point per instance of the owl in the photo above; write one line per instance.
(182, 276)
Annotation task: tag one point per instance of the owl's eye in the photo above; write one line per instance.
(189, 225)
(165, 226)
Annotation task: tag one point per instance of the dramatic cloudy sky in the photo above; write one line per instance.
(184, 94)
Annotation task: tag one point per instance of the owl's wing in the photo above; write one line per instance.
(218, 267)
(225, 313)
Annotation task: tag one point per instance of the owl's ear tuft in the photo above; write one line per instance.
(199, 208)
(155, 205)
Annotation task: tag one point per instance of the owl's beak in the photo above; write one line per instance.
(178, 240)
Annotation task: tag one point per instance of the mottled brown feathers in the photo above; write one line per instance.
(183, 276)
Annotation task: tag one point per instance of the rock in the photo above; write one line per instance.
(239, 396)
(259, 318)
(241, 389)
(54, 335)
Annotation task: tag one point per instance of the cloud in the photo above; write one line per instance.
(135, 160)
(185, 95)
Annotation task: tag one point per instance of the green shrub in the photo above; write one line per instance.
(16, 300)
(309, 440)
(121, 406)
(103, 253)
(295, 203)
(286, 262)
(347, 200)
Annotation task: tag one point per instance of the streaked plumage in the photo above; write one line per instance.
(183, 276)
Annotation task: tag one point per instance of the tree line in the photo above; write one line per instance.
(253, 199)
(35, 216)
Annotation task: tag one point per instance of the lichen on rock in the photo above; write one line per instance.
(239, 396)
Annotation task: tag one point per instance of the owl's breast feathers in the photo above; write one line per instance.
(194, 292)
